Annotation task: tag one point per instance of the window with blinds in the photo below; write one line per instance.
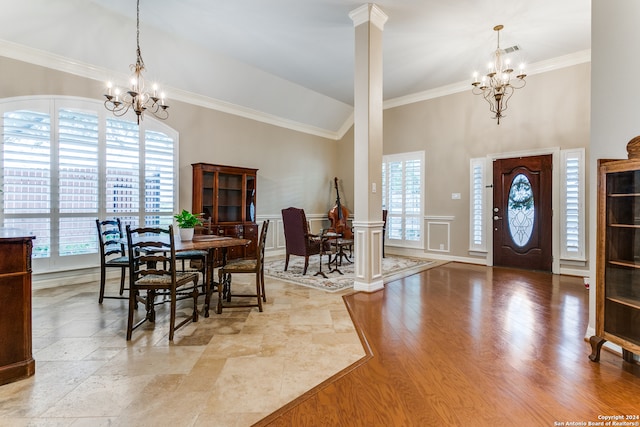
(65, 163)
(159, 178)
(26, 174)
(78, 191)
(572, 206)
(477, 229)
(402, 196)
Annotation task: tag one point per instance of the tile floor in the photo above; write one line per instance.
(231, 369)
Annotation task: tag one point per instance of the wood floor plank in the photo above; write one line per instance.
(469, 345)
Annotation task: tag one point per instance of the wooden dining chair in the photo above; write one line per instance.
(112, 254)
(152, 268)
(244, 266)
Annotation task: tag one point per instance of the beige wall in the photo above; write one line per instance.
(295, 169)
(553, 110)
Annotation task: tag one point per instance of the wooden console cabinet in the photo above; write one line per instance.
(618, 256)
(16, 360)
(227, 195)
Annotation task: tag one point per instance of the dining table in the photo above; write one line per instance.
(210, 243)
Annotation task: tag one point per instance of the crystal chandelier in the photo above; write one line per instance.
(497, 86)
(136, 96)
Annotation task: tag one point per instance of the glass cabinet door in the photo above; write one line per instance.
(208, 194)
(229, 197)
(622, 255)
(250, 203)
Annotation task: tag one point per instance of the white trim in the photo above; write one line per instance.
(574, 272)
(81, 69)
(60, 63)
(368, 12)
(439, 218)
(447, 245)
(368, 287)
(473, 163)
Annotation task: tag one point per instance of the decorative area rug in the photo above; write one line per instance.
(393, 267)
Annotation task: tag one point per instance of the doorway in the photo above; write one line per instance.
(522, 212)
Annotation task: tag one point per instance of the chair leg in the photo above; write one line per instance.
(286, 262)
(220, 288)
(132, 303)
(258, 288)
(122, 275)
(306, 265)
(102, 283)
(172, 321)
(195, 299)
(264, 294)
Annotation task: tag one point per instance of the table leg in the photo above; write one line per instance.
(320, 273)
(211, 283)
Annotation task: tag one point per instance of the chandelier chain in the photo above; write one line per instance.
(139, 53)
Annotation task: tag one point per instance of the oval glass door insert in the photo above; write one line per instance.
(521, 212)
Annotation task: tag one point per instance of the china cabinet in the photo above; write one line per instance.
(618, 255)
(227, 195)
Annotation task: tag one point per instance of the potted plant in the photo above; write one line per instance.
(186, 223)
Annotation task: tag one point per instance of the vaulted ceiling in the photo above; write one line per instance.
(290, 62)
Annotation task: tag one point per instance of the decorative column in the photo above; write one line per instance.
(368, 21)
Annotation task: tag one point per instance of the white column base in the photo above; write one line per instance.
(367, 237)
(368, 287)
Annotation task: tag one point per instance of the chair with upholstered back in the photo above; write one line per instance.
(112, 254)
(298, 240)
(249, 265)
(152, 268)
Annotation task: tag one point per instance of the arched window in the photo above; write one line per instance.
(65, 162)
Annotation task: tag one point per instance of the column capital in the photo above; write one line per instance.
(368, 12)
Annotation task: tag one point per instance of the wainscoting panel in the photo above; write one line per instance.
(438, 236)
(276, 243)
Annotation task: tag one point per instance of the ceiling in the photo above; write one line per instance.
(291, 61)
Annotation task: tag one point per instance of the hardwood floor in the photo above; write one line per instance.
(469, 345)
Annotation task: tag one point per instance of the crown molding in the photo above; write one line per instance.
(368, 13)
(536, 68)
(60, 63)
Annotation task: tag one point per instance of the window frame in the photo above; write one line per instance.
(565, 252)
(475, 194)
(404, 157)
(52, 105)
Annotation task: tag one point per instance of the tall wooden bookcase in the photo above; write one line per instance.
(618, 255)
(227, 195)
